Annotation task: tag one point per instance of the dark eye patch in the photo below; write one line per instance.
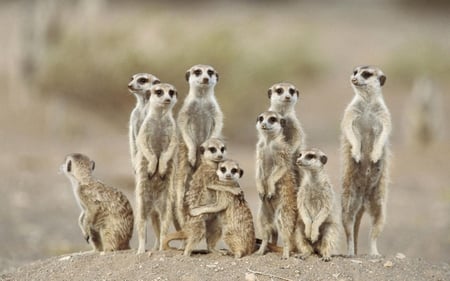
(260, 118)
(355, 72)
(279, 91)
(223, 170)
(171, 93)
(272, 119)
(212, 149)
(291, 91)
(142, 80)
(234, 171)
(310, 156)
(159, 92)
(210, 72)
(222, 149)
(197, 72)
(366, 74)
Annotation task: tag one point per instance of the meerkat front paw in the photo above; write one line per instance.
(308, 232)
(314, 235)
(162, 168)
(236, 191)
(194, 212)
(151, 168)
(375, 155)
(356, 155)
(192, 158)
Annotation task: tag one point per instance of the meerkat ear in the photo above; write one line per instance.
(282, 122)
(323, 159)
(241, 173)
(217, 76)
(69, 166)
(92, 165)
(297, 93)
(187, 75)
(156, 82)
(269, 93)
(202, 150)
(382, 79)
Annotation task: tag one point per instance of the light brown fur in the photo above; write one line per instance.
(366, 126)
(106, 218)
(275, 183)
(318, 230)
(199, 119)
(232, 210)
(138, 86)
(155, 169)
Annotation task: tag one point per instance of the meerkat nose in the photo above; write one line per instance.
(354, 80)
(205, 80)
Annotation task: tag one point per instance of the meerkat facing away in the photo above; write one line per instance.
(233, 211)
(138, 86)
(275, 183)
(318, 230)
(366, 127)
(199, 119)
(106, 218)
(155, 167)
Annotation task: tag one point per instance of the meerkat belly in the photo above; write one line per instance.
(288, 130)
(268, 164)
(315, 202)
(369, 128)
(201, 122)
(159, 137)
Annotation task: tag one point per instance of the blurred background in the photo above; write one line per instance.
(65, 65)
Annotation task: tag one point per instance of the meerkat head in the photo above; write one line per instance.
(213, 150)
(229, 170)
(367, 78)
(270, 123)
(78, 167)
(313, 159)
(282, 95)
(162, 95)
(202, 76)
(141, 82)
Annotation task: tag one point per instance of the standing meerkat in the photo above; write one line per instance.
(155, 167)
(199, 119)
(232, 210)
(275, 183)
(196, 228)
(138, 86)
(318, 230)
(283, 98)
(106, 218)
(366, 127)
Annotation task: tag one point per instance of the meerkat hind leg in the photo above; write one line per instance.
(378, 217)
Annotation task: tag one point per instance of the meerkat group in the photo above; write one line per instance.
(183, 178)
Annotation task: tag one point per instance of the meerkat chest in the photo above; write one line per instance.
(289, 130)
(368, 123)
(314, 200)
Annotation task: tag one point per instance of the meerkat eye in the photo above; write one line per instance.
(131, 78)
(223, 169)
(212, 149)
(171, 93)
(156, 82)
(260, 118)
(355, 72)
(197, 72)
(234, 171)
(159, 92)
(210, 72)
(291, 91)
(366, 74)
(222, 149)
(310, 156)
(299, 155)
(279, 91)
(142, 80)
(272, 120)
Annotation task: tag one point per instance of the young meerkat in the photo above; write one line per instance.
(275, 183)
(318, 230)
(196, 228)
(138, 86)
(106, 218)
(155, 167)
(232, 210)
(366, 127)
(199, 119)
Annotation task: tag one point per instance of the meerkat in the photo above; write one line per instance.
(155, 167)
(275, 183)
(318, 229)
(232, 210)
(138, 86)
(366, 127)
(199, 119)
(106, 218)
(195, 228)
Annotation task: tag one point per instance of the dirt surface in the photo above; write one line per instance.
(172, 265)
